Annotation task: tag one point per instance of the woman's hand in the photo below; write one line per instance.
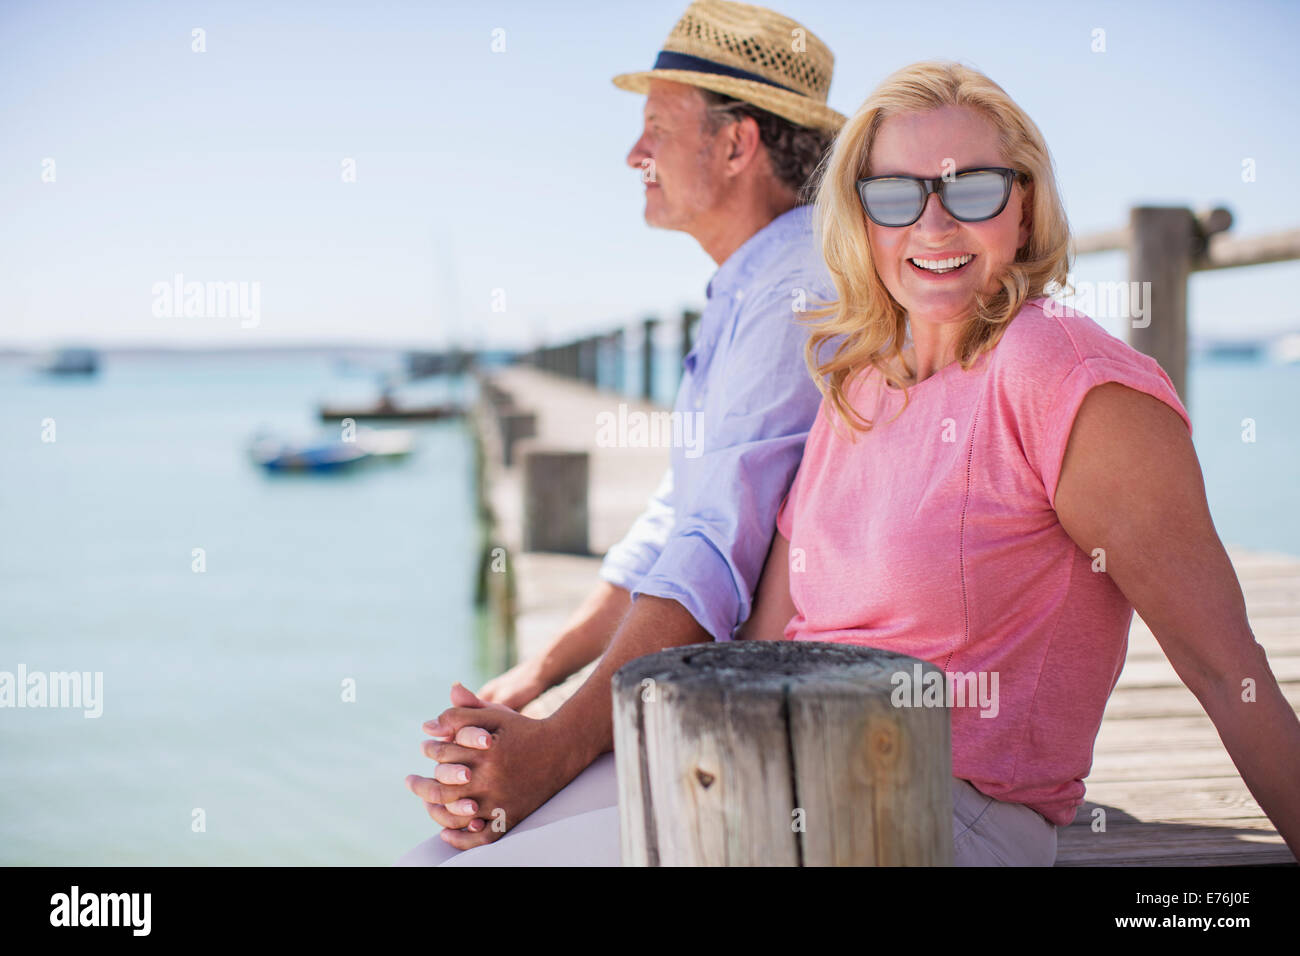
(456, 756)
(495, 767)
(518, 686)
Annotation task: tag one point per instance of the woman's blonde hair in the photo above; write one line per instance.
(872, 323)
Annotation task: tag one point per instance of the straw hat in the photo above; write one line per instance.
(750, 53)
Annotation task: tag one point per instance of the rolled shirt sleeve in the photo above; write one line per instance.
(627, 562)
(757, 403)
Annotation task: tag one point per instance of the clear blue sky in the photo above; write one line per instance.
(479, 171)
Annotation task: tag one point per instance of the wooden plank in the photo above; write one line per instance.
(1128, 703)
(1150, 672)
(1187, 799)
(1157, 766)
(1239, 843)
(1229, 252)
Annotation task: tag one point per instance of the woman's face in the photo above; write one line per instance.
(918, 144)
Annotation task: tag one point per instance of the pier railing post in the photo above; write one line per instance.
(780, 753)
(587, 350)
(620, 362)
(689, 318)
(515, 426)
(1162, 249)
(555, 500)
(648, 359)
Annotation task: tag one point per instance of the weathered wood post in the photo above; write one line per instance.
(778, 753)
(587, 358)
(619, 381)
(648, 359)
(555, 500)
(515, 425)
(1163, 245)
(689, 318)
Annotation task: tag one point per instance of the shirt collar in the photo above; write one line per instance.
(738, 267)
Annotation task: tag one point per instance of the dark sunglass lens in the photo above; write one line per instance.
(893, 202)
(975, 195)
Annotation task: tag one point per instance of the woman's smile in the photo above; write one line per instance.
(936, 267)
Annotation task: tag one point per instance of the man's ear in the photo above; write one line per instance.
(743, 141)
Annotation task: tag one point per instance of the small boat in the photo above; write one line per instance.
(386, 443)
(72, 362)
(1285, 349)
(275, 455)
(385, 408)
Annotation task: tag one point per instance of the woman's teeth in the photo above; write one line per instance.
(941, 265)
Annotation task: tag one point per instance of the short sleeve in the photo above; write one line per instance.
(1136, 371)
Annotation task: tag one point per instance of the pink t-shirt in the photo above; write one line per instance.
(934, 535)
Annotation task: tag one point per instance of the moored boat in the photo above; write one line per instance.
(385, 408)
(275, 455)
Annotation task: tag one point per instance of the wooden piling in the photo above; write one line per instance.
(555, 500)
(648, 359)
(1161, 252)
(689, 320)
(515, 425)
(762, 753)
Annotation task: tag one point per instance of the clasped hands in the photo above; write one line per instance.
(495, 767)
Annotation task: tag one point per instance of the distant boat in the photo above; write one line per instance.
(388, 443)
(276, 455)
(72, 362)
(331, 454)
(1285, 348)
(421, 364)
(385, 408)
(1242, 349)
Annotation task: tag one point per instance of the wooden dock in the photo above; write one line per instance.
(1169, 791)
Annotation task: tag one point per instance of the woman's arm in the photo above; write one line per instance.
(773, 606)
(1131, 484)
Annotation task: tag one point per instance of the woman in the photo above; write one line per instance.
(998, 497)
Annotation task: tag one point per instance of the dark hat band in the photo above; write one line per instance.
(668, 60)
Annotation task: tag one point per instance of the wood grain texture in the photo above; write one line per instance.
(779, 754)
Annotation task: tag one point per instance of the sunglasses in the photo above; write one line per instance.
(972, 195)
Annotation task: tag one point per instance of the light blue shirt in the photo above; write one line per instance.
(704, 535)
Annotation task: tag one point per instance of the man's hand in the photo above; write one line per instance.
(518, 686)
(519, 767)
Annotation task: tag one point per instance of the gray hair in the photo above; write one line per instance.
(796, 151)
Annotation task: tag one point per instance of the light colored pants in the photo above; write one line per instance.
(579, 827)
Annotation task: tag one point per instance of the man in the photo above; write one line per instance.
(736, 123)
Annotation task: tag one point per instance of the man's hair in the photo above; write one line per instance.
(796, 151)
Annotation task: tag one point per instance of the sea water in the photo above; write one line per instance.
(269, 644)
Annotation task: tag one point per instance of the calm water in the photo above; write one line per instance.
(223, 689)
(1253, 487)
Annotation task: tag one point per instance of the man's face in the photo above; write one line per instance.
(680, 162)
